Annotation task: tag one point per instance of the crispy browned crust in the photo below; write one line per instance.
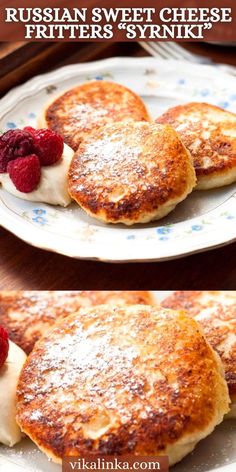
(212, 154)
(27, 315)
(129, 172)
(216, 312)
(120, 380)
(90, 105)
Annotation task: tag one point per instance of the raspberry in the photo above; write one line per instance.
(48, 146)
(4, 346)
(13, 144)
(5, 157)
(25, 173)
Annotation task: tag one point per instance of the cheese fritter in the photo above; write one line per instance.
(27, 315)
(121, 380)
(209, 133)
(216, 313)
(131, 173)
(86, 107)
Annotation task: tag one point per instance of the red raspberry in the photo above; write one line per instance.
(25, 173)
(13, 144)
(4, 346)
(29, 129)
(48, 145)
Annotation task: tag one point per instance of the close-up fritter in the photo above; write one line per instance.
(121, 380)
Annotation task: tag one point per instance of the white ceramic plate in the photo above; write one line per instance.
(215, 453)
(205, 220)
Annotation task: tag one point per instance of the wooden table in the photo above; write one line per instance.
(25, 267)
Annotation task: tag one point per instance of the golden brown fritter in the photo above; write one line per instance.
(86, 107)
(116, 380)
(27, 315)
(209, 134)
(216, 312)
(131, 172)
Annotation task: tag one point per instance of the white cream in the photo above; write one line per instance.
(10, 433)
(52, 188)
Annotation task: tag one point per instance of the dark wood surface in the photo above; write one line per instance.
(25, 267)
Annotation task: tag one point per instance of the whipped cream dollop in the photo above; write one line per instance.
(10, 433)
(52, 187)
